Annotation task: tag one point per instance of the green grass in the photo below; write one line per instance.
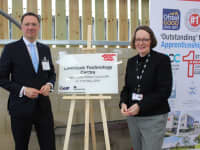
(179, 149)
(197, 146)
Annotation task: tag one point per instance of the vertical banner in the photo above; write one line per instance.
(176, 24)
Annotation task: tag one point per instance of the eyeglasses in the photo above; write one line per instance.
(142, 40)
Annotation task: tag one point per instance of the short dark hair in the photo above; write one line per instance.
(147, 29)
(30, 14)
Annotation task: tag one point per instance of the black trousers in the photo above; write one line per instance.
(44, 127)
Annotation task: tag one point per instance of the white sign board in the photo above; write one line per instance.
(88, 73)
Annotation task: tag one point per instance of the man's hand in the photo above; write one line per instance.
(45, 89)
(31, 92)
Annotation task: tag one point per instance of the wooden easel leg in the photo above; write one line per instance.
(94, 145)
(69, 124)
(87, 119)
(105, 127)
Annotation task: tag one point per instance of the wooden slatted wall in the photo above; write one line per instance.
(4, 125)
(46, 20)
(17, 13)
(111, 21)
(123, 21)
(74, 21)
(112, 30)
(134, 20)
(3, 21)
(99, 20)
(32, 6)
(145, 12)
(74, 27)
(86, 17)
(60, 20)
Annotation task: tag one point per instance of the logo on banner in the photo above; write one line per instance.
(64, 87)
(175, 58)
(192, 20)
(193, 63)
(171, 19)
(192, 89)
(108, 57)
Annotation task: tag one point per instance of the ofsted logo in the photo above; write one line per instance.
(171, 19)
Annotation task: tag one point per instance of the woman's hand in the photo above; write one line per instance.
(133, 110)
(124, 110)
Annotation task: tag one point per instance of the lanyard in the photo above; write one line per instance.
(140, 72)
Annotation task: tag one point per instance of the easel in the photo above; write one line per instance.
(88, 112)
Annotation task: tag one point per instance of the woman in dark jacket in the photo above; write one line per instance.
(144, 98)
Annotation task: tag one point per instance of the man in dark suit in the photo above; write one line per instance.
(27, 72)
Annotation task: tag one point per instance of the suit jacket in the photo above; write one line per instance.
(156, 84)
(16, 71)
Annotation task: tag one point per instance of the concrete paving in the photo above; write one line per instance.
(119, 140)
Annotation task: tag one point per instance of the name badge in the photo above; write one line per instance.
(137, 97)
(45, 64)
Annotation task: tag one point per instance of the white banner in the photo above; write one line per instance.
(88, 73)
(176, 24)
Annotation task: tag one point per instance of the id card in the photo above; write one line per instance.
(45, 64)
(137, 97)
